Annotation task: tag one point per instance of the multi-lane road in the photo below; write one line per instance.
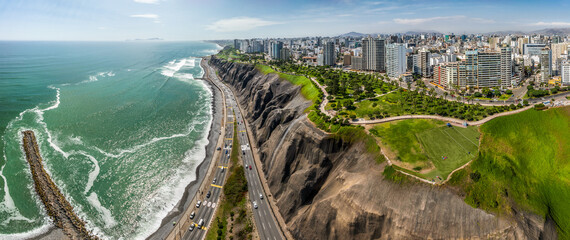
(266, 225)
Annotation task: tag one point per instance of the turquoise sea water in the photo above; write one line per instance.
(121, 128)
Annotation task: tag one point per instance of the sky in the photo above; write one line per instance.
(178, 20)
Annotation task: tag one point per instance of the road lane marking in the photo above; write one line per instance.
(218, 186)
(222, 167)
(263, 226)
(229, 139)
(242, 131)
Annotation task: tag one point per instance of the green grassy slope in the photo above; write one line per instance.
(526, 158)
(459, 145)
(308, 90)
(419, 140)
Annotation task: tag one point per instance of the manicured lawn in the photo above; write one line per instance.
(458, 145)
(428, 142)
(526, 158)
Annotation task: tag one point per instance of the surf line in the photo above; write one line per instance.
(58, 208)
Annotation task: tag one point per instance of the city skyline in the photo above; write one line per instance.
(219, 19)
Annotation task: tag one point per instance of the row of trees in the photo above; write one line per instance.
(341, 83)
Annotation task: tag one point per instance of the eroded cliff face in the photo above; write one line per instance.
(327, 189)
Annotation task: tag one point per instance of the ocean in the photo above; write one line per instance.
(121, 126)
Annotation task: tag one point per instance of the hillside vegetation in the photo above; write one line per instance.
(428, 147)
(526, 158)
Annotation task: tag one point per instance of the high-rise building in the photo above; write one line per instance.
(451, 75)
(468, 70)
(275, 50)
(236, 43)
(565, 72)
(257, 46)
(488, 69)
(356, 62)
(424, 65)
(439, 74)
(329, 55)
(284, 54)
(558, 50)
(545, 64)
(506, 67)
(493, 43)
(346, 59)
(373, 54)
(533, 48)
(410, 63)
(521, 42)
(395, 59)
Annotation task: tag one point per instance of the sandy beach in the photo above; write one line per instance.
(166, 225)
(190, 190)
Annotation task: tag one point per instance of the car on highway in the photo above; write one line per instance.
(249, 167)
(246, 166)
(192, 215)
(191, 228)
(201, 223)
(208, 194)
(198, 204)
(255, 204)
(213, 182)
(260, 196)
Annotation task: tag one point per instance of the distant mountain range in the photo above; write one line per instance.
(546, 31)
(356, 34)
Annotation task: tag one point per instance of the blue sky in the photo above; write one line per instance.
(118, 20)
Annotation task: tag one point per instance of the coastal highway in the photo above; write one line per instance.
(266, 223)
(208, 206)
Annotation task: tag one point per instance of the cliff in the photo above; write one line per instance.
(328, 189)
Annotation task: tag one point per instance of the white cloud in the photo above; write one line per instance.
(557, 24)
(151, 16)
(238, 24)
(414, 21)
(482, 20)
(147, 1)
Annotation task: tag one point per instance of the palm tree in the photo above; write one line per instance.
(445, 94)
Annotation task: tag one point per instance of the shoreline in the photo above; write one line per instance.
(191, 189)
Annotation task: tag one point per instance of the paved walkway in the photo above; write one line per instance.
(436, 117)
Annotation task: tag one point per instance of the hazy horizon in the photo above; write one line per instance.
(178, 20)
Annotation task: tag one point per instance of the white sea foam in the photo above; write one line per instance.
(7, 205)
(173, 67)
(95, 78)
(93, 174)
(105, 213)
(169, 194)
(26, 235)
(40, 120)
(137, 147)
(76, 140)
